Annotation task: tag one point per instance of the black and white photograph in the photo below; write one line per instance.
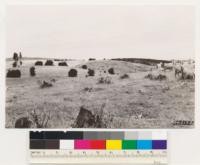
(100, 66)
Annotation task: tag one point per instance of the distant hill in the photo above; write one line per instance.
(119, 66)
(142, 60)
(29, 58)
(40, 58)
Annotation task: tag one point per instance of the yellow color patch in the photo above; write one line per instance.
(113, 144)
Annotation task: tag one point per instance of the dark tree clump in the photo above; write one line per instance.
(32, 71)
(72, 73)
(92, 59)
(111, 71)
(40, 63)
(15, 56)
(20, 55)
(62, 64)
(14, 64)
(13, 74)
(49, 63)
(91, 72)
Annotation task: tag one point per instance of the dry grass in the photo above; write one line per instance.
(135, 102)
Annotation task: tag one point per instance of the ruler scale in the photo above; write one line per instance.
(89, 147)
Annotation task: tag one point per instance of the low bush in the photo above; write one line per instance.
(156, 77)
(124, 76)
(104, 80)
(84, 67)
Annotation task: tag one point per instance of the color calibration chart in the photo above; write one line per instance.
(89, 147)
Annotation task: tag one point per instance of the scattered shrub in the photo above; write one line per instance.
(91, 72)
(62, 64)
(49, 63)
(14, 64)
(23, 122)
(188, 77)
(53, 80)
(104, 80)
(111, 71)
(166, 88)
(84, 67)
(124, 76)
(20, 62)
(45, 84)
(40, 63)
(87, 89)
(156, 77)
(72, 73)
(32, 71)
(13, 73)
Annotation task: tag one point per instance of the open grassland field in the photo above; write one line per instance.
(130, 101)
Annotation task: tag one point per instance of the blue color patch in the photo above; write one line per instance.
(144, 144)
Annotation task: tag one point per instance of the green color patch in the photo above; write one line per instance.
(129, 144)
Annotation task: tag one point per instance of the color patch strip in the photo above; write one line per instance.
(129, 144)
(81, 144)
(56, 135)
(113, 144)
(36, 135)
(44, 144)
(161, 135)
(94, 135)
(144, 144)
(159, 144)
(144, 135)
(103, 135)
(90, 135)
(116, 136)
(131, 135)
(52, 144)
(98, 140)
(98, 144)
(67, 144)
(37, 144)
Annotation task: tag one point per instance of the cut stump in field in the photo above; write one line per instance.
(86, 119)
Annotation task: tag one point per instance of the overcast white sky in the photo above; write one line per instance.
(72, 31)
